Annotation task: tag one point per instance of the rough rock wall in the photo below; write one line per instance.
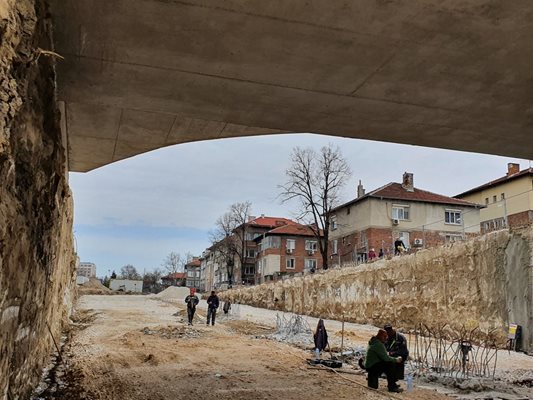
(485, 281)
(36, 252)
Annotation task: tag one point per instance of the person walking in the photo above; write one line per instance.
(378, 361)
(227, 306)
(192, 301)
(212, 305)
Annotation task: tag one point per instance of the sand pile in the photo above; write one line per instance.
(173, 292)
(94, 286)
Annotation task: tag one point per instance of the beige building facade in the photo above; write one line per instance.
(508, 200)
(416, 217)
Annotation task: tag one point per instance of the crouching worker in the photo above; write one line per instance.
(378, 361)
(397, 346)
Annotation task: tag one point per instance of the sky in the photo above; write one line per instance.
(138, 210)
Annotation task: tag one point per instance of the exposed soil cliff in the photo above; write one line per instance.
(36, 256)
(485, 282)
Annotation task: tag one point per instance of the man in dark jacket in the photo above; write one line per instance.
(396, 345)
(212, 305)
(192, 301)
(378, 361)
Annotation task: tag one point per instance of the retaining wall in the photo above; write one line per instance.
(485, 282)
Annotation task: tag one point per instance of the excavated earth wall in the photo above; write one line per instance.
(36, 254)
(485, 282)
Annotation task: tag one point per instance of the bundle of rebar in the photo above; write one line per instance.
(459, 353)
(291, 326)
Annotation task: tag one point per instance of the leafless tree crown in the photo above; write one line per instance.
(315, 180)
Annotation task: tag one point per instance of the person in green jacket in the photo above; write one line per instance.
(378, 361)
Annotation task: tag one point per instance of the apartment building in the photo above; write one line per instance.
(87, 269)
(246, 274)
(398, 211)
(287, 250)
(508, 200)
(192, 273)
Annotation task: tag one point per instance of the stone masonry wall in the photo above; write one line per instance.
(486, 281)
(36, 252)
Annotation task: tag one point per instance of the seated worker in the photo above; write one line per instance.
(378, 361)
(396, 345)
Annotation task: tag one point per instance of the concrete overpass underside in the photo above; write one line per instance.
(143, 74)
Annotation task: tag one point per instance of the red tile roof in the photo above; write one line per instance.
(176, 275)
(395, 191)
(506, 178)
(294, 229)
(195, 262)
(270, 222)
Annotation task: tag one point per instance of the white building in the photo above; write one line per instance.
(126, 285)
(87, 269)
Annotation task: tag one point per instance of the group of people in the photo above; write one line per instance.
(213, 302)
(399, 248)
(386, 353)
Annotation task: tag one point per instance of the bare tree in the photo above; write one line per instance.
(151, 280)
(175, 262)
(129, 272)
(315, 180)
(229, 237)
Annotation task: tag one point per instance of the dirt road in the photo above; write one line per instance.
(135, 348)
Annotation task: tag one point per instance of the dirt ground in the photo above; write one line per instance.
(139, 347)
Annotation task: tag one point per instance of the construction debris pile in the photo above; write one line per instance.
(173, 332)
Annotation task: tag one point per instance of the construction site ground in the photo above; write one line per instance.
(140, 347)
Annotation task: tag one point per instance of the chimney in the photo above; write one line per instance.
(512, 169)
(360, 190)
(407, 182)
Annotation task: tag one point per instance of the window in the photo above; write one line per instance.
(404, 237)
(486, 200)
(270, 242)
(249, 270)
(251, 235)
(452, 217)
(363, 242)
(333, 222)
(310, 264)
(503, 196)
(400, 212)
(310, 245)
(348, 210)
(334, 247)
(290, 263)
(291, 244)
(494, 199)
(250, 253)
